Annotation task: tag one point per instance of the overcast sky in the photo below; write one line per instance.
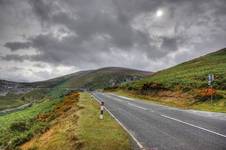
(42, 39)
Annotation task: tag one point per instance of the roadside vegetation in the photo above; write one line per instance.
(180, 102)
(98, 134)
(12, 100)
(61, 133)
(20, 126)
(70, 121)
(80, 128)
(186, 84)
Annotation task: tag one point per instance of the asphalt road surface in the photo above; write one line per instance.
(159, 127)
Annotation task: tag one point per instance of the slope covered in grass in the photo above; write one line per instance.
(93, 79)
(12, 100)
(105, 77)
(80, 128)
(185, 85)
(90, 79)
(20, 126)
(98, 134)
(189, 75)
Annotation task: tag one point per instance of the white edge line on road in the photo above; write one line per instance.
(194, 125)
(133, 137)
(134, 105)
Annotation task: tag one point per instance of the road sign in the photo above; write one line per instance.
(210, 77)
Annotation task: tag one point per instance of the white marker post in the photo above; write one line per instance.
(102, 110)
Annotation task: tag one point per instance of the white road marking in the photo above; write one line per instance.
(213, 132)
(134, 105)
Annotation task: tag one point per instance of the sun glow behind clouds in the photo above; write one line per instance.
(159, 13)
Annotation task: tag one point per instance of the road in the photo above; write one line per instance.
(159, 127)
(9, 110)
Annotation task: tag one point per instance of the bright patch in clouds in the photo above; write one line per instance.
(159, 13)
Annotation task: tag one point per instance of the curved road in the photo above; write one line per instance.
(159, 127)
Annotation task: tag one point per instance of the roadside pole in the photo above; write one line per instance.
(102, 111)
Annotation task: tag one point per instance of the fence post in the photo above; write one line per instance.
(102, 110)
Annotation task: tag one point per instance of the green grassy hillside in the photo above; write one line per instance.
(185, 85)
(102, 78)
(90, 79)
(12, 100)
(189, 75)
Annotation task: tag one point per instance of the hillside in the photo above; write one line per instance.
(186, 84)
(102, 78)
(189, 75)
(14, 94)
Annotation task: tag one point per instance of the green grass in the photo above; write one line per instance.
(13, 138)
(191, 74)
(62, 132)
(81, 129)
(99, 134)
(186, 81)
(13, 100)
(215, 106)
(18, 127)
(102, 78)
(10, 103)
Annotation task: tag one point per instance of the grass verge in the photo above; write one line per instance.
(18, 127)
(62, 133)
(215, 106)
(80, 128)
(98, 134)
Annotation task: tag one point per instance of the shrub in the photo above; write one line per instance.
(19, 126)
(205, 95)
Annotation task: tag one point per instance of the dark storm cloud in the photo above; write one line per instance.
(96, 33)
(41, 9)
(169, 43)
(15, 57)
(17, 45)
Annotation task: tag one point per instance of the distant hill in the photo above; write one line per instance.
(14, 94)
(188, 75)
(102, 78)
(90, 79)
(6, 86)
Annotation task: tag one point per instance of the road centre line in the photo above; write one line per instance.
(195, 126)
(134, 105)
(192, 125)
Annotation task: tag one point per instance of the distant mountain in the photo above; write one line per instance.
(6, 86)
(104, 77)
(90, 79)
